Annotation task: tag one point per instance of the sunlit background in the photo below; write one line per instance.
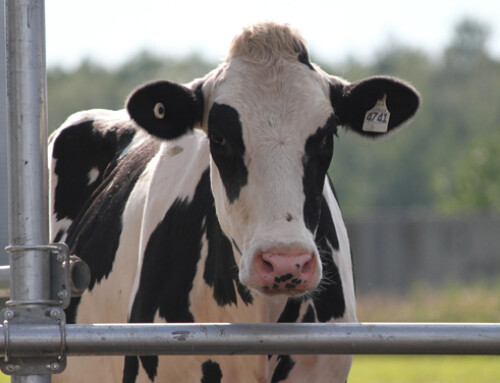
(422, 207)
(111, 32)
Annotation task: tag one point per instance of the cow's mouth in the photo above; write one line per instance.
(288, 289)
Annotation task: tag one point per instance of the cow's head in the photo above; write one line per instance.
(271, 118)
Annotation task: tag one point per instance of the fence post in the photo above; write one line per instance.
(27, 137)
(3, 138)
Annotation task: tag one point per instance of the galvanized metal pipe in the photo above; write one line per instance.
(27, 137)
(229, 339)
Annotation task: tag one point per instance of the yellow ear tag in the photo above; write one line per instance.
(377, 118)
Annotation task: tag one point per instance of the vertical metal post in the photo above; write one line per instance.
(27, 135)
(3, 139)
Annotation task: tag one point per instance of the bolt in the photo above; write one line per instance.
(54, 313)
(61, 258)
(10, 368)
(9, 314)
(53, 366)
(63, 294)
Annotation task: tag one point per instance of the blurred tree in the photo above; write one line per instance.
(91, 85)
(389, 172)
(475, 183)
(468, 46)
(466, 107)
(461, 101)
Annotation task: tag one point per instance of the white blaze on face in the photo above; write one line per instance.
(279, 107)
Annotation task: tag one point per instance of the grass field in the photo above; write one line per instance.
(454, 303)
(425, 369)
(479, 302)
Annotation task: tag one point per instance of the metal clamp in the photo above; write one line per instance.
(6, 336)
(60, 275)
(43, 312)
(40, 364)
(60, 318)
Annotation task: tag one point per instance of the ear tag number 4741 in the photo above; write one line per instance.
(377, 118)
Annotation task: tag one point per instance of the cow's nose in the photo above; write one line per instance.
(286, 271)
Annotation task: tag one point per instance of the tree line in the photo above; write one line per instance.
(446, 160)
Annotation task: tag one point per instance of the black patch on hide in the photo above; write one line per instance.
(282, 370)
(96, 209)
(329, 299)
(227, 148)
(211, 371)
(318, 154)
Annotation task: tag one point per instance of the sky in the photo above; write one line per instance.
(112, 31)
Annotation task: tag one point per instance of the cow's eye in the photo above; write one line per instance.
(217, 140)
(159, 110)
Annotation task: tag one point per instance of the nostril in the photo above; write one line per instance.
(264, 265)
(307, 266)
(285, 270)
(267, 266)
(285, 262)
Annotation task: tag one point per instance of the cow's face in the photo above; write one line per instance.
(271, 125)
(271, 135)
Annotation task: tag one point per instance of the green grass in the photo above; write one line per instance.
(455, 302)
(425, 369)
(478, 302)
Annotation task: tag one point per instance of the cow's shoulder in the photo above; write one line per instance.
(82, 151)
(96, 159)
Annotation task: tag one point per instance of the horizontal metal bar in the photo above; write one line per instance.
(228, 339)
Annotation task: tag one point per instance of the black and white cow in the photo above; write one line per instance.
(210, 202)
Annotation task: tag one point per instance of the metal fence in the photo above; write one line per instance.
(394, 252)
(36, 339)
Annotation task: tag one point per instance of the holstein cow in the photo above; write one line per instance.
(210, 202)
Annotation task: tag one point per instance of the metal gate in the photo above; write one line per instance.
(36, 339)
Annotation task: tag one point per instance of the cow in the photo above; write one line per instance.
(210, 202)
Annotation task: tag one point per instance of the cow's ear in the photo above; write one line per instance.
(165, 109)
(374, 106)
